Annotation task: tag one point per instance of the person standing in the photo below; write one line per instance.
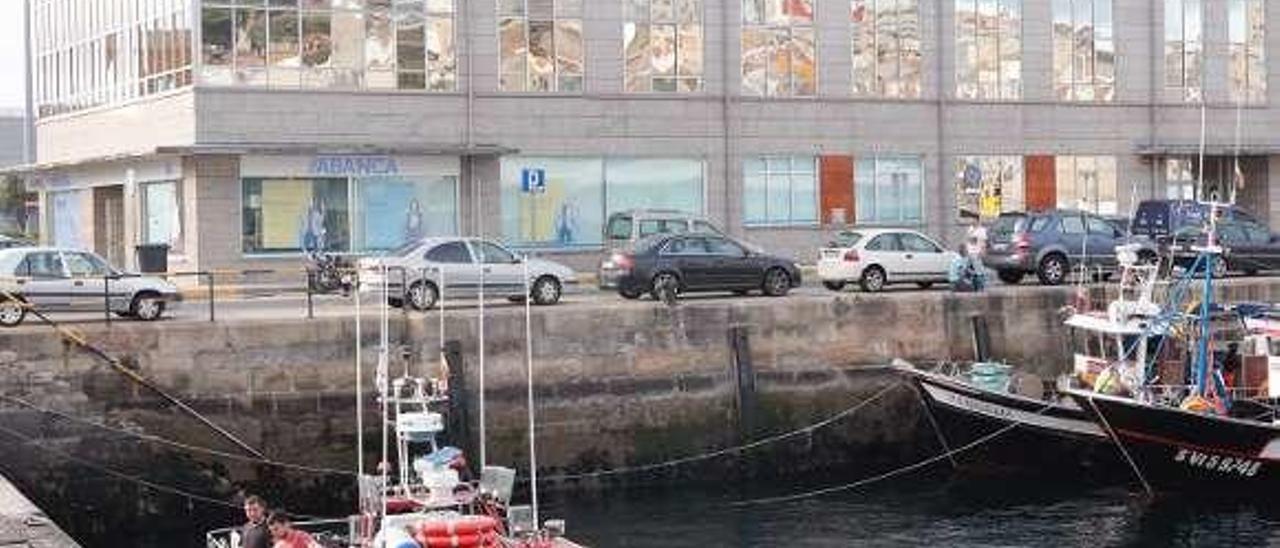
(976, 240)
(255, 533)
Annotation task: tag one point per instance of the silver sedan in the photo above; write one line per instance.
(56, 279)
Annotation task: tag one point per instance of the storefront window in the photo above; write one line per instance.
(581, 192)
(1180, 179)
(987, 186)
(292, 215)
(889, 190)
(71, 218)
(1087, 183)
(161, 214)
(780, 191)
(396, 210)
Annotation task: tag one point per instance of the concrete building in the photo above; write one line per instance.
(241, 131)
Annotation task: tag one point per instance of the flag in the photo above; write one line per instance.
(1238, 175)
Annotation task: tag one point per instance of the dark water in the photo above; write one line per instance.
(952, 513)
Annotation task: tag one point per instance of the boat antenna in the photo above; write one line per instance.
(528, 358)
(480, 352)
(443, 362)
(382, 374)
(359, 386)
(1200, 175)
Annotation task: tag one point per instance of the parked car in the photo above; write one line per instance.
(698, 263)
(874, 258)
(1159, 220)
(7, 242)
(1050, 243)
(1248, 246)
(624, 228)
(54, 279)
(415, 272)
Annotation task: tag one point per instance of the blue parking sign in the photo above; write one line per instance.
(533, 180)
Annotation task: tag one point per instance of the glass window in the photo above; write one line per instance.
(1246, 32)
(1072, 224)
(1084, 51)
(1100, 226)
(662, 44)
(1184, 47)
(490, 253)
(725, 248)
(780, 191)
(889, 190)
(987, 186)
(685, 246)
(989, 49)
(1180, 179)
(1087, 183)
(541, 45)
(394, 210)
(292, 215)
(779, 57)
(84, 265)
(886, 48)
(915, 243)
(884, 242)
(654, 183)
(161, 214)
(449, 253)
(620, 227)
(569, 213)
(44, 265)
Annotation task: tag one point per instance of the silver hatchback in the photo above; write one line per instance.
(55, 279)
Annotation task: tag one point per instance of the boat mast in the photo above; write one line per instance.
(528, 358)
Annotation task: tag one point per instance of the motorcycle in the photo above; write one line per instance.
(327, 273)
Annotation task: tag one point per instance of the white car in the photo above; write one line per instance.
(54, 279)
(414, 273)
(874, 258)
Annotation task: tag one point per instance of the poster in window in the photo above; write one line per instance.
(569, 213)
(287, 215)
(397, 210)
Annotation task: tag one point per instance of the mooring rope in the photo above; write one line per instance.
(730, 450)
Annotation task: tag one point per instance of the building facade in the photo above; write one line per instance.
(241, 132)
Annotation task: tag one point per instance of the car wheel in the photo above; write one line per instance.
(924, 285)
(834, 286)
(1053, 269)
(423, 295)
(776, 282)
(630, 294)
(545, 291)
(661, 282)
(873, 279)
(12, 312)
(147, 307)
(1011, 277)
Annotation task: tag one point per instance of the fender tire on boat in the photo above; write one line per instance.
(463, 525)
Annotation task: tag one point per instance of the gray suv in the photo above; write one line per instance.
(1050, 243)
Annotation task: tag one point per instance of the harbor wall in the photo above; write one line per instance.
(615, 387)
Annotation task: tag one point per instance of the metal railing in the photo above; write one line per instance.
(330, 533)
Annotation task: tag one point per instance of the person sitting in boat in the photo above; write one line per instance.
(966, 274)
(286, 536)
(254, 533)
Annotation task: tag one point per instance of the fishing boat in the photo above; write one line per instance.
(969, 402)
(1201, 430)
(426, 501)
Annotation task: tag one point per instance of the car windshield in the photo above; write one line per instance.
(846, 239)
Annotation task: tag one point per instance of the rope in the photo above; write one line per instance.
(729, 450)
(886, 475)
(177, 444)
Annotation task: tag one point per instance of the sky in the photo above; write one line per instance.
(12, 73)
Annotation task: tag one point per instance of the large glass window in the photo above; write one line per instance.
(373, 44)
(662, 42)
(779, 57)
(889, 190)
(1084, 50)
(780, 191)
(1247, 27)
(1184, 47)
(886, 48)
(1088, 183)
(987, 186)
(580, 193)
(292, 215)
(162, 214)
(989, 49)
(541, 44)
(1180, 178)
(88, 54)
(394, 210)
(71, 218)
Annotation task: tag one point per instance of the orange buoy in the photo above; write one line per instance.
(460, 525)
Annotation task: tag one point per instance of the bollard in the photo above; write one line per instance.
(311, 313)
(106, 298)
(459, 427)
(981, 338)
(211, 295)
(745, 382)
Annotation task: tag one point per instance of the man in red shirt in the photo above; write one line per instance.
(286, 536)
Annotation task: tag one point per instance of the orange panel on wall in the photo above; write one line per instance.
(835, 179)
(1042, 185)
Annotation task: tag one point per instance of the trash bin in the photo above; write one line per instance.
(153, 257)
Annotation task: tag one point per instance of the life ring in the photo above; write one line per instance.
(462, 525)
(482, 540)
